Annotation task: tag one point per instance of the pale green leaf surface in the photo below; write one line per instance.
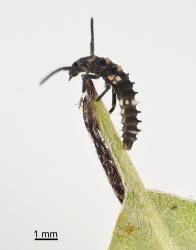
(148, 220)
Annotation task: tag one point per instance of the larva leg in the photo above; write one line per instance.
(83, 85)
(87, 77)
(103, 93)
(113, 101)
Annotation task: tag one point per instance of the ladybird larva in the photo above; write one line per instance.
(95, 67)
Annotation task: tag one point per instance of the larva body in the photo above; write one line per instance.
(115, 77)
(95, 67)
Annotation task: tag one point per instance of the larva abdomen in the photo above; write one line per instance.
(129, 113)
(130, 122)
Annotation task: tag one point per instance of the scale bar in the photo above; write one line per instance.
(46, 239)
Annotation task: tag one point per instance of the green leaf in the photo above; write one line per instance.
(148, 220)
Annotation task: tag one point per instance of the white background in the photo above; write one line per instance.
(50, 176)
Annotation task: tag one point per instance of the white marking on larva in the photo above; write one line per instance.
(134, 102)
(111, 77)
(121, 102)
(119, 68)
(118, 78)
(114, 82)
(122, 111)
(127, 102)
(133, 132)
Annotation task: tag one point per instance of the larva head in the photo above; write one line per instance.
(90, 64)
(79, 66)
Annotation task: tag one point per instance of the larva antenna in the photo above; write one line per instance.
(92, 44)
(53, 73)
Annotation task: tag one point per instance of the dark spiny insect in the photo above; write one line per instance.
(114, 76)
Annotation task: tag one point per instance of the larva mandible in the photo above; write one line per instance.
(114, 76)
